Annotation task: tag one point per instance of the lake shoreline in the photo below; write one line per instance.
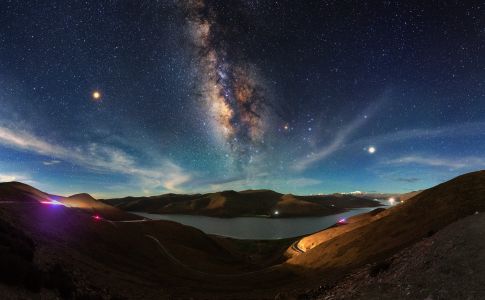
(377, 203)
(278, 216)
(258, 228)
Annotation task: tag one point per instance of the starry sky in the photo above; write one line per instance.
(121, 98)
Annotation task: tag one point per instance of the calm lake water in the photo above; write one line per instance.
(257, 228)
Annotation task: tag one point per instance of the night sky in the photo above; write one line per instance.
(147, 97)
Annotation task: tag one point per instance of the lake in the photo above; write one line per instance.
(257, 228)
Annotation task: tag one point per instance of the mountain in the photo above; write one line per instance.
(447, 265)
(20, 192)
(375, 236)
(311, 241)
(49, 251)
(262, 203)
(351, 223)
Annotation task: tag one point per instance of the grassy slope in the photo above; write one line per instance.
(448, 265)
(121, 259)
(396, 227)
(113, 258)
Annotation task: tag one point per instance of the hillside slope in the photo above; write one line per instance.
(447, 265)
(105, 257)
(141, 259)
(263, 203)
(20, 192)
(397, 227)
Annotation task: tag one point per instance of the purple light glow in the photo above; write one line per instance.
(51, 202)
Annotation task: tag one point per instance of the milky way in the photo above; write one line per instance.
(228, 84)
(210, 95)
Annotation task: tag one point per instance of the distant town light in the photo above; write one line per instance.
(276, 212)
(392, 201)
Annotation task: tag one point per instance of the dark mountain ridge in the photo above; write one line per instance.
(160, 259)
(261, 203)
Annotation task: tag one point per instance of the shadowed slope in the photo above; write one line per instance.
(263, 203)
(396, 227)
(154, 259)
(20, 192)
(17, 191)
(141, 259)
(447, 265)
(313, 240)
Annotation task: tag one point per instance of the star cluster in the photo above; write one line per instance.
(230, 88)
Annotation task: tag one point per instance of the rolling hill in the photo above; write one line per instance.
(447, 265)
(123, 257)
(61, 250)
(386, 232)
(262, 203)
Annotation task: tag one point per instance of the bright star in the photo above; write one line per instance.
(96, 95)
(371, 150)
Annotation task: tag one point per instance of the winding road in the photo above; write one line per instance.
(295, 247)
(163, 249)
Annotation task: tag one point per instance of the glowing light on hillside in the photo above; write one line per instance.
(276, 213)
(392, 201)
(342, 221)
(97, 217)
(51, 202)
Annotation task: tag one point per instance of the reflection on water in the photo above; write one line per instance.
(258, 228)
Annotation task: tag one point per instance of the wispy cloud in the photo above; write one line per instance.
(407, 179)
(9, 176)
(165, 174)
(303, 182)
(26, 141)
(456, 130)
(340, 139)
(259, 181)
(337, 143)
(452, 163)
(51, 162)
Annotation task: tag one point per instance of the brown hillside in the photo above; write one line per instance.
(447, 265)
(263, 203)
(397, 227)
(159, 259)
